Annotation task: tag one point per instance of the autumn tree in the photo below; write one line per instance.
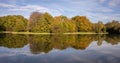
(34, 17)
(99, 27)
(13, 23)
(56, 26)
(62, 24)
(40, 22)
(83, 24)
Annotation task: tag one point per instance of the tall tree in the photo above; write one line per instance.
(83, 24)
(99, 27)
(34, 17)
(41, 23)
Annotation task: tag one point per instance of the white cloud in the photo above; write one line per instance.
(55, 12)
(6, 5)
(37, 8)
(14, 1)
(114, 2)
(102, 1)
(104, 17)
(94, 6)
(95, 9)
(30, 8)
(102, 9)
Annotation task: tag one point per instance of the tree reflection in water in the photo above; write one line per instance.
(45, 43)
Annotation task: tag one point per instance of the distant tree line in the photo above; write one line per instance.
(45, 23)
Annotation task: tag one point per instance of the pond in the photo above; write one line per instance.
(59, 48)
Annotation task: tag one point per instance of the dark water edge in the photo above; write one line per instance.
(59, 48)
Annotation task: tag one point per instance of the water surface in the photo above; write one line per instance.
(59, 48)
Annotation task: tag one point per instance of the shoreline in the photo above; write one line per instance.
(34, 33)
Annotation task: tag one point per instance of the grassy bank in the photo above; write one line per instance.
(50, 33)
(22, 32)
(85, 33)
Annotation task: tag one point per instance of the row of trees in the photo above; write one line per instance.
(44, 22)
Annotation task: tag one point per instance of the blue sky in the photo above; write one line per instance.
(95, 10)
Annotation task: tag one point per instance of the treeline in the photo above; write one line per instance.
(45, 23)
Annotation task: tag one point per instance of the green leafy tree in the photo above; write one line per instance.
(13, 23)
(2, 27)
